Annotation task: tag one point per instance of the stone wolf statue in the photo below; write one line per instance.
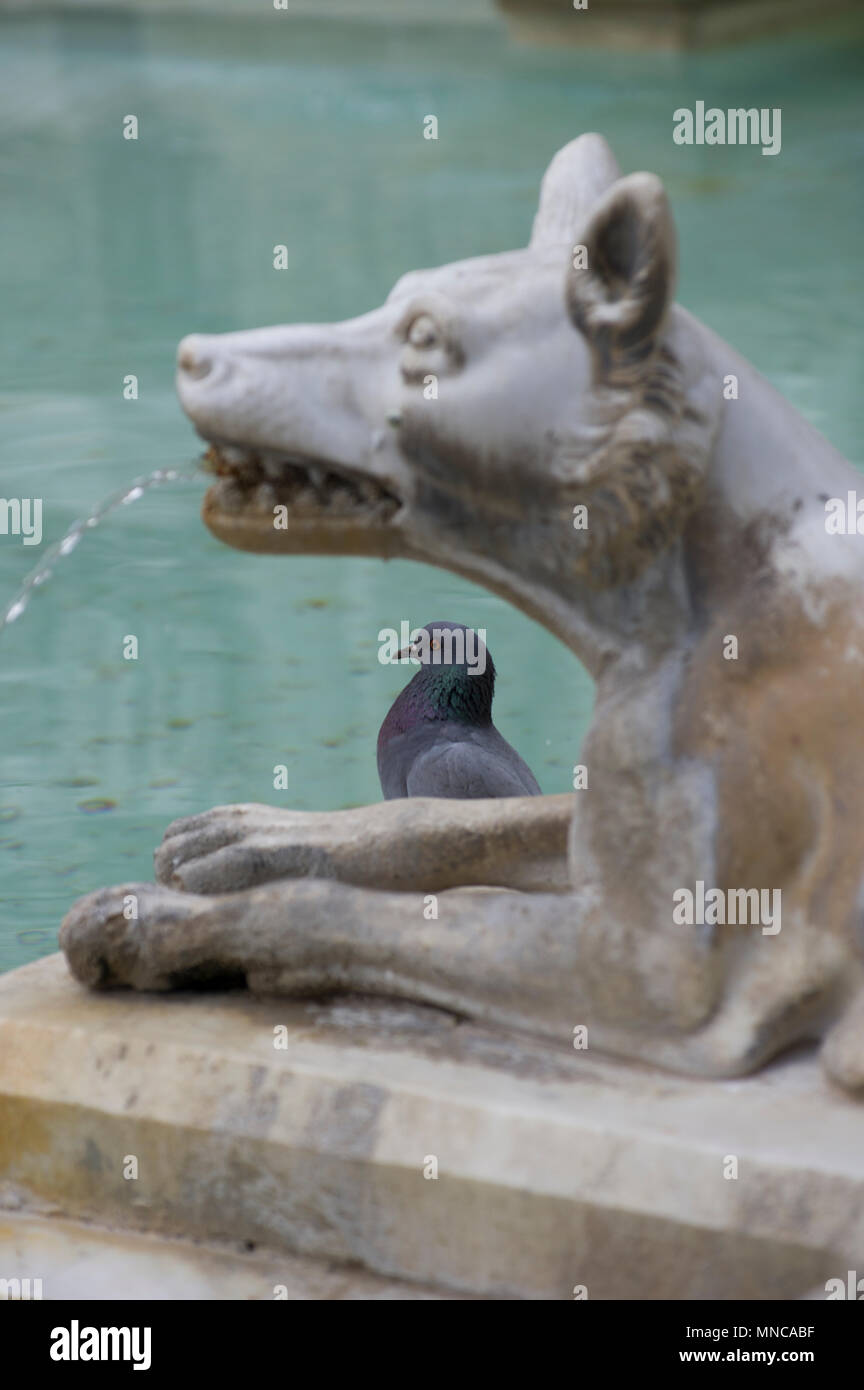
(718, 615)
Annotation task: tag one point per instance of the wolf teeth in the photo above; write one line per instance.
(266, 497)
(231, 496)
(274, 467)
(305, 486)
(342, 497)
(305, 500)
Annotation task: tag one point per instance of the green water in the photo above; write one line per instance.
(309, 134)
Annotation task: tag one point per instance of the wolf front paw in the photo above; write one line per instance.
(139, 935)
(235, 847)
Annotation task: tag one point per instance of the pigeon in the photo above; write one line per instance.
(438, 738)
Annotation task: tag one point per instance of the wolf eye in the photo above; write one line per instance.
(423, 332)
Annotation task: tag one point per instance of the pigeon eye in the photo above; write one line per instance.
(422, 332)
(434, 645)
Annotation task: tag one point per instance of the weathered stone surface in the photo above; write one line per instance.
(75, 1261)
(555, 1169)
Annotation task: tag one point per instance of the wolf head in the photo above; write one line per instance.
(521, 419)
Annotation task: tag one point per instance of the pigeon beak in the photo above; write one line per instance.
(405, 652)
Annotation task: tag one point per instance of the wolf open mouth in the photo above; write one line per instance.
(325, 504)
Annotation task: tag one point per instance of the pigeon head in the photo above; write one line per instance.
(456, 679)
(438, 738)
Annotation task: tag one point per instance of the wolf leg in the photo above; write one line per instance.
(540, 963)
(415, 844)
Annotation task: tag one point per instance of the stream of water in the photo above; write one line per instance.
(76, 532)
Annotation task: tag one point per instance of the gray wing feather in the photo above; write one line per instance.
(466, 770)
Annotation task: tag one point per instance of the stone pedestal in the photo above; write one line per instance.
(670, 24)
(301, 1168)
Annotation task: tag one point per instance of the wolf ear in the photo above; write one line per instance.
(574, 183)
(618, 299)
